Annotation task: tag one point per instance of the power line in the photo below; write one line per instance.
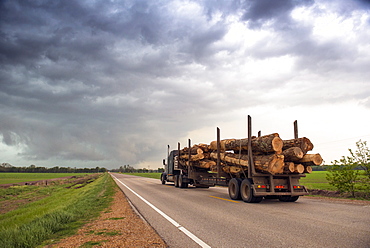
(344, 139)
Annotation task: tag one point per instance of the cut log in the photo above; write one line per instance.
(232, 169)
(193, 150)
(308, 169)
(311, 159)
(207, 164)
(196, 157)
(272, 163)
(293, 154)
(204, 147)
(289, 167)
(265, 144)
(303, 143)
(213, 167)
(298, 168)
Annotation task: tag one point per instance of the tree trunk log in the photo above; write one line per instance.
(193, 150)
(311, 159)
(307, 169)
(298, 168)
(196, 157)
(293, 154)
(289, 167)
(232, 169)
(207, 164)
(303, 143)
(265, 144)
(272, 163)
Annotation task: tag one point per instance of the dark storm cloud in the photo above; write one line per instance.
(68, 94)
(258, 12)
(112, 81)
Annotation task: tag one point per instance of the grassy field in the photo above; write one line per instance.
(316, 180)
(150, 175)
(6, 178)
(62, 209)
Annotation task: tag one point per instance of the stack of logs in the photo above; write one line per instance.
(271, 155)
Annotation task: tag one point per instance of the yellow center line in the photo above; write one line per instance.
(223, 199)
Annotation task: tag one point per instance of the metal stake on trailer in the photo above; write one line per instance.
(295, 123)
(251, 169)
(218, 154)
(178, 154)
(189, 144)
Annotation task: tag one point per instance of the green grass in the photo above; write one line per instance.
(6, 178)
(150, 175)
(59, 214)
(317, 180)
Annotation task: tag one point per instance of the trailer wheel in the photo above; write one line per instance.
(176, 181)
(246, 192)
(234, 188)
(288, 198)
(182, 184)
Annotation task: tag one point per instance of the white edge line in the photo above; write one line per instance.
(172, 221)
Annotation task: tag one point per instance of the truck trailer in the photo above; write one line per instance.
(248, 183)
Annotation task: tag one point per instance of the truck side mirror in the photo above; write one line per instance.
(164, 161)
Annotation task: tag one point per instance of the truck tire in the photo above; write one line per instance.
(234, 188)
(288, 198)
(182, 184)
(163, 178)
(176, 181)
(246, 192)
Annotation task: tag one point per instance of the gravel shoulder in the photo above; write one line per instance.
(118, 226)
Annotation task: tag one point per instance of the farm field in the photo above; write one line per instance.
(33, 214)
(6, 178)
(316, 180)
(150, 175)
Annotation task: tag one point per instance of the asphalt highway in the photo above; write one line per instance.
(195, 217)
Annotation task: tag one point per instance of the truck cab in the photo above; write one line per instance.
(171, 170)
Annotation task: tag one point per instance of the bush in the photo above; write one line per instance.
(344, 174)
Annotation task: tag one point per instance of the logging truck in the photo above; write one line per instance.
(253, 168)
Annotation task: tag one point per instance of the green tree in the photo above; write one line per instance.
(361, 156)
(343, 176)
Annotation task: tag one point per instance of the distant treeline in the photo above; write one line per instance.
(130, 169)
(324, 167)
(6, 167)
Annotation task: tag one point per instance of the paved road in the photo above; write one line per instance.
(208, 217)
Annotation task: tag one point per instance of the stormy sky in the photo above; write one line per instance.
(109, 83)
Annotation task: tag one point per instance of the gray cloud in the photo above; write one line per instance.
(111, 83)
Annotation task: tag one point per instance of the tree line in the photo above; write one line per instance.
(129, 169)
(6, 167)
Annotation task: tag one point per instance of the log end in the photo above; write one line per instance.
(277, 165)
(298, 168)
(277, 144)
(308, 169)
